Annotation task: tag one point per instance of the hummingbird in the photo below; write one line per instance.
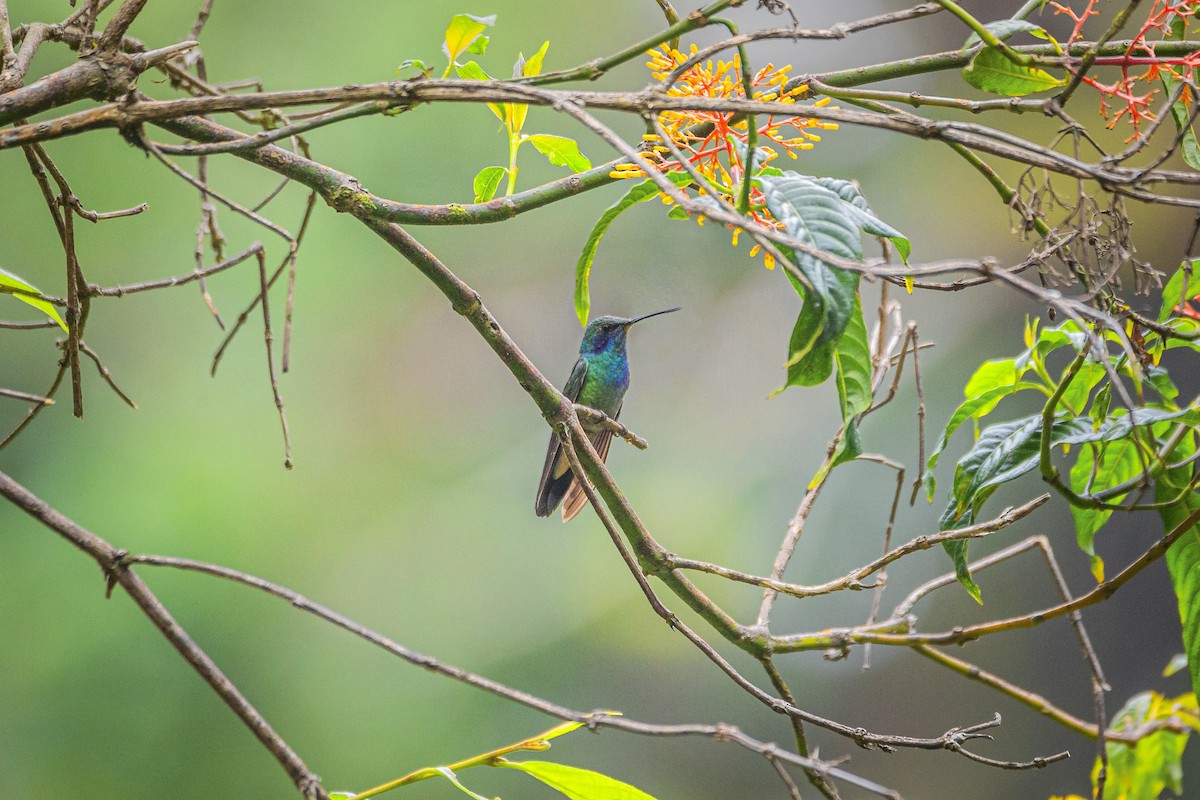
(599, 381)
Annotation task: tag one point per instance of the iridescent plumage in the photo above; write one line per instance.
(599, 380)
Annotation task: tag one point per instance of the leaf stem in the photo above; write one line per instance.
(989, 38)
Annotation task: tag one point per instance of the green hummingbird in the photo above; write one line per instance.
(599, 381)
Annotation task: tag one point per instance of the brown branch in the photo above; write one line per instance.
(110, 560)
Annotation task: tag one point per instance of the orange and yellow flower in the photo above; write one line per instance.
(714, 142)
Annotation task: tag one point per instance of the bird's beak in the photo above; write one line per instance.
(648, 316)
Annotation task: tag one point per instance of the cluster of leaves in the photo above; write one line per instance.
(574, 783)
(1121, 449)
(1154, 765)
(997, 69)
(464, 35)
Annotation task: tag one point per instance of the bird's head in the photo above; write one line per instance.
(606, 333)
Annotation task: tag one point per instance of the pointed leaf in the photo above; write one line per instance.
(462, 31)
(450, 776)
(486, 183)
(1183, 286)
(471, 71)
(852, 363)
(524, 68)
(1003, 29)
(1183, 558)
(583, 268)
(1155, 764)
(11, 281)
(972, 408)
(561, 151)
(1118, 462)
(991, 71)
(576, 783)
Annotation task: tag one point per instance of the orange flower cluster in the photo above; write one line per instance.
(1121, 98)
(714, 142)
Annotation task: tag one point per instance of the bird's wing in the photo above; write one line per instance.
(556, 474)
(576, 498)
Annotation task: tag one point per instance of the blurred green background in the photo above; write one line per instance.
(417, 455)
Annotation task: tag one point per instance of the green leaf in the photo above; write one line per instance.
(862, 214)
(486, 183)
(1178, 662)
(463, 30)
(7, 279)
(1118, 462)
(852, 363)
(416, 63)
(1189, 147)
(479, 46)
(1182, 287)
(561, 151)
(972, 408)
(1008, 450)
(1183, 558)
(1076, 396)
(583, 268)
(817, 216)
(342, 795)
(471, 71)
(1155, 764)
(533, 66)
(577, 783)
(1100, 405)
(524, 68)
(991, 71)
(450, 776)
(1003, 29)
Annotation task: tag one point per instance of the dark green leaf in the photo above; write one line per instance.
(852, 362)
(11, 281)
(486, 183)
(861, 212)
(971, 408)
(1183, 558)
(576, 783)
(1008, 450)
(583, 268)
(561, 151)
(817, 216)
(991, 71)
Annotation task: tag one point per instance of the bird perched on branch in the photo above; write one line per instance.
(599, 381)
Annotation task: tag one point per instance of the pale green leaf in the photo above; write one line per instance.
(486, 183)
(462, 31)
(8, 280)
(1003, 29)
(471, 71)
(1183, 557)
(992, 71)
(450, 776)
(561, 151)
(577, 783)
